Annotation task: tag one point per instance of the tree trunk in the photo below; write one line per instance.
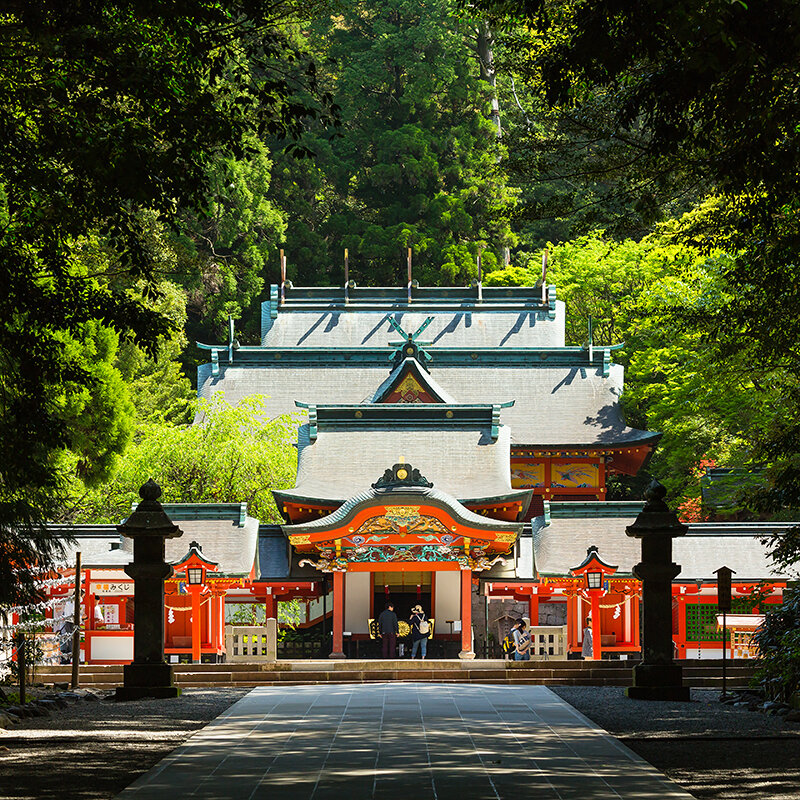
(488, 74)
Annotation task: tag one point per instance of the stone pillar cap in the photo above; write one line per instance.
(656, 517)
(149, 517)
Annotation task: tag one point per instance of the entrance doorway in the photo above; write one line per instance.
(405, 590)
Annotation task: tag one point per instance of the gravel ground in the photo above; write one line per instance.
(711, 750)
(92, 750)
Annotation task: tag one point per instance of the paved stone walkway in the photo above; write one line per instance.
(410, 741)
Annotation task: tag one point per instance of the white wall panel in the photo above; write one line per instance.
(447, 599)
(356, 602)
(112, 648)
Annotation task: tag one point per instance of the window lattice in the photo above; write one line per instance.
(701, 621)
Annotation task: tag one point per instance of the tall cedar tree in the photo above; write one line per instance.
(418, 163)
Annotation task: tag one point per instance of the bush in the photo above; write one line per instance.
(778, 641)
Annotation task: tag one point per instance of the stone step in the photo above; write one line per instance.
(556, 673)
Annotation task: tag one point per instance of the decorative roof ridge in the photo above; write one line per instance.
(598, 359)
(647, 436)
(547, 349)
(298, 298)
(407, 416)
(597, 509)
(83, 529)
(306, 499)
(185, 512)
(380, 406)
(745, 529)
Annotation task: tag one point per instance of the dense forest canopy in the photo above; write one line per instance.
(155, 156)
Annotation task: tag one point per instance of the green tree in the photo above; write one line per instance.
(223, 251)
(638, 293)
(232, 455)
(418, 162)
(106, 110)
(708, 90)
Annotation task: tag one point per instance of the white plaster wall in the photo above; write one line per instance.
(356, 602)
(447, 598)
(315, 607)
(112, 648)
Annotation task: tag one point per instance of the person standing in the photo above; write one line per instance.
(388, 629)
(420, 631)
(586, 647)
(522, 651)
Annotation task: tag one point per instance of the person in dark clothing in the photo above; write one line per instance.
(388, 630)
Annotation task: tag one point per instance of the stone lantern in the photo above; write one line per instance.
(148, 675)
(658, 677)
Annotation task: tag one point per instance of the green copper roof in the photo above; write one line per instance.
(594, 509)
(528, 357)
(418, 297)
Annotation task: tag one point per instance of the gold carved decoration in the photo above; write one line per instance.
(300, 539)
(402, 512)
(406, 517)
(506, 537)
(409, 390)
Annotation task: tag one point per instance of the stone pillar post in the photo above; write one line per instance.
(658, 677)
(148, 675)
(271, 627)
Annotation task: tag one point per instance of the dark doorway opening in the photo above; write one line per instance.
(403, 603)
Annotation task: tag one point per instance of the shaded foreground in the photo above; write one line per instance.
(711, 750)
(94, 750)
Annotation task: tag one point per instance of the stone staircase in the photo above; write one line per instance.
(697, 674)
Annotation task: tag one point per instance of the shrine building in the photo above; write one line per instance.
(452, 452)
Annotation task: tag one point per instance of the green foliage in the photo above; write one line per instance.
(106, 111)
(511, 276)
(417, 163)
(232, 455)
(640, 293)
(778, 641)
(223, 250)
(290, 613)
(704, 94)
(574, 171)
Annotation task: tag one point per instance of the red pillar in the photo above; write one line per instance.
(533, 610)
(217, 601)
(271, 606)
(574, 622)
(338, 615)
(195, 623)
(91, 602)
(597, 643)
(681, 638)
(466, 614)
